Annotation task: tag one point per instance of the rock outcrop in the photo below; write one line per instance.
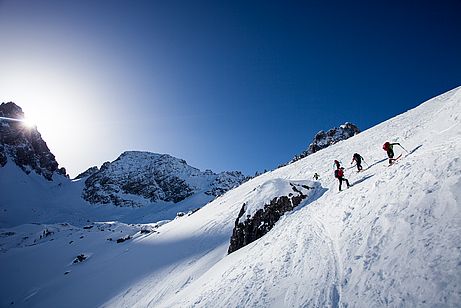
(255, 220)
(89, 172)
(324, 139)
(24, 145)
(225, 181)
(136, 178)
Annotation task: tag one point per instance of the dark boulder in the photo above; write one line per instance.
(251, 228)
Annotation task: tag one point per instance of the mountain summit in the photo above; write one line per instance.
(153, 177)
(24, 145)
(324, 139)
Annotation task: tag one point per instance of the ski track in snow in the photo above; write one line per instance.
(392, 239)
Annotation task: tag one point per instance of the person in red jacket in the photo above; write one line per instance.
(389, 148)
(339, 174)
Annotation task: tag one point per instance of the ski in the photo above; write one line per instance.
(394, 160)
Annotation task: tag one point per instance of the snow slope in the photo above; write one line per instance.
(392, 239)
(28, 198)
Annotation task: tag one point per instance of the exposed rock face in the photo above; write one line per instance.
(139, 177)
(90, 171)
(262, 219)
(324, 139)
(3, 158)
(225, 181)
(24, 145)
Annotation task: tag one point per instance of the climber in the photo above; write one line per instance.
(337, 164)
(358, 160)
(339, 174)
(389, 148)
(316, 176)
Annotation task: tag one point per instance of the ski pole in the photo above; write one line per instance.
(403, 148)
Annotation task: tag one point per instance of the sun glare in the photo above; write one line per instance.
(28, 123)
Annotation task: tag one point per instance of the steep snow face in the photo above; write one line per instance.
(324, 139)
(392, 239)
(155, 177)
(24, 145)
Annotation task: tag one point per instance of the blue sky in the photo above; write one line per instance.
(226, 85)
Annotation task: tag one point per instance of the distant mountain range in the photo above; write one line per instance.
(134, 178)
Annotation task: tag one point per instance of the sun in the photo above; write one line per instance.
(28, 123)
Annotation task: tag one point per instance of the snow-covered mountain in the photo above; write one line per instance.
(154, 177)
(392, 239)
(24, 145)
(155, 186)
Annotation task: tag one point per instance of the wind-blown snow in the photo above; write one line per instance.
(392, 239)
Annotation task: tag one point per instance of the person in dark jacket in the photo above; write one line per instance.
(358, 161)
(389, 148)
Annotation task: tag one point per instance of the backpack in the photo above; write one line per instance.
(386, 146)
(339, 173)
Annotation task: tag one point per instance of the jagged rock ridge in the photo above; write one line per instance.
(139, 177)
(24, 145)
(90, 171)
(324, 139)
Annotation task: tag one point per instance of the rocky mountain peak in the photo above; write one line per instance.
(136, 178)
(324, 139)
(24, 145)
(11, 110)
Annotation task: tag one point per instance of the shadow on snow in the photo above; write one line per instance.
(319, 191)
(377, 162)
(412, 151)
(362, 179)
